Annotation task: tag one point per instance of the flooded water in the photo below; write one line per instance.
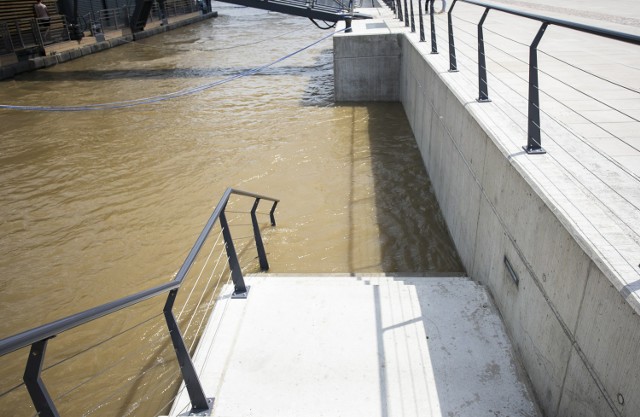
(98, 205)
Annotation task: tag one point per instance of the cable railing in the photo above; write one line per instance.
(587, 110)
(112, 19)
(534, 126)
(205, 267)
(56, 29)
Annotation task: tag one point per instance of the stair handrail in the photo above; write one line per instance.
(39, 336)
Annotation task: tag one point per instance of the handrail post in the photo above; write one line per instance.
(406, 14)
(534, 141)
(271, 213)
(199, 402)
(434, 44)
(420, 20)
(35, 385)
(399, 3)
(413, 21)
(453, 64)
(262, 256)
(240, 290)
(483, 85)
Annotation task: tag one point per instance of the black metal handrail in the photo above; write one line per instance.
(534, 137)
(38, 337)
(534, 141)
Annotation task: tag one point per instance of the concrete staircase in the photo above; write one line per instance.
(359, 346)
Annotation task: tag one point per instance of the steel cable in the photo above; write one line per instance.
(98, 374)
(576, 180)
(561, 81)
(206, 262)
(562, 103)
(202, 293)
(551, 197)
(560, 123)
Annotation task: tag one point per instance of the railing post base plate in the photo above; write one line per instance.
(483, 100)
(538, 151)
(241, 295)
(207, 412)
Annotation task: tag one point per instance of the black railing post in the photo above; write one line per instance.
(434, 44)
(420, 19)
(453, 64)
(413, 21)
(399, 2)
(236, 273)
(34, 383)
(262, 256)
(199, 402)
(483, 85)
(406, 14)
(534, 140)
(271, 213)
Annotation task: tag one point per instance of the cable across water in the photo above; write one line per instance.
(169, 96)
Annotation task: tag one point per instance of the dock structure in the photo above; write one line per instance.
(61, 52)
(554, 236)
(365, 345)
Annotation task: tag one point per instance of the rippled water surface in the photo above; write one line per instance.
(98, 205)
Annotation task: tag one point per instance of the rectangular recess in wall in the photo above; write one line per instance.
(512, 273)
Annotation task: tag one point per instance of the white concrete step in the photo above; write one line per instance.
(359, 346)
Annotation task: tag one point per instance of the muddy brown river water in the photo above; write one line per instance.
(97, 205)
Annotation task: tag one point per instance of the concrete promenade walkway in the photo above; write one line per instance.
(359, 346)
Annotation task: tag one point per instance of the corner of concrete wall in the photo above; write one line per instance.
(577, 337)
(366, 67)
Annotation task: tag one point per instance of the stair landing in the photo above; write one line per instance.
(359, 346)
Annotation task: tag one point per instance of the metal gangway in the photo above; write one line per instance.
(331, 11)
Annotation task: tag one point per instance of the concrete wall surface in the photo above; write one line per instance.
(367, 65)
(576, 334)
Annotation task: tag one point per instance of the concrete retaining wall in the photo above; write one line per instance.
(367, 69)
(577, 337)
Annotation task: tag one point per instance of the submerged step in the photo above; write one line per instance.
(359, 346)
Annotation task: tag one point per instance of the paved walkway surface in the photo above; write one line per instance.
(359, 346)
(590, 114)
